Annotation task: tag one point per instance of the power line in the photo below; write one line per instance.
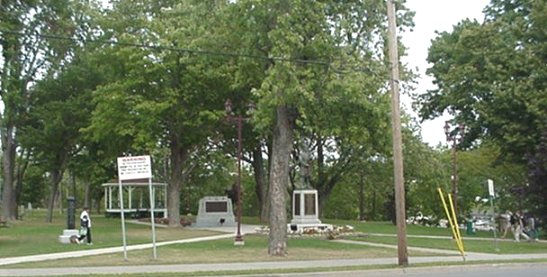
(198, 52)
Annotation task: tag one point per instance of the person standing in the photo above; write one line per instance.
(505, 223)
(518, 226)
(531, 227)
(85, 226)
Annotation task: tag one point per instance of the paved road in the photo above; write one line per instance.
(493, 270)
(505, 270)
(454, 256)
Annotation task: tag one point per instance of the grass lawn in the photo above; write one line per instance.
(388, 228)
(224, 251)
(34, 236)
(481, 246)
(471, 245)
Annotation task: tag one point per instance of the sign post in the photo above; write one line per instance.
(137, 167)
(491, 195)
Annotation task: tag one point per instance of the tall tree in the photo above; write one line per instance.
(60, 107)
(311, 52)
(166, 93)
(492, 77)
(29, 50)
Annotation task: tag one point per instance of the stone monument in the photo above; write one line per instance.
(71, 230)
(305, 205)
(215, 211)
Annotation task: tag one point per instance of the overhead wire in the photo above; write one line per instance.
(353, 68)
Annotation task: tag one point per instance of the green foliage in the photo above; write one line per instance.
(479, 165)
(491, 76)
(159, 89)
(34, 187)
(157, 95)
(60, 108)
(343, 204)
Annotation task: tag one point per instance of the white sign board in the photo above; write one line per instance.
(137, 167)
(491, 187)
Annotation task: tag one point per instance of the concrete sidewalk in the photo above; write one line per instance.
(445, 256)
(223, 267)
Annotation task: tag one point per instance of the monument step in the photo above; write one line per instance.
(299, 228)
(67, 234)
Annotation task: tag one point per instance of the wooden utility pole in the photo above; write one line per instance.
(397, 141)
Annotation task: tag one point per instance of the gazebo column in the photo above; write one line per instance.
(130, 197)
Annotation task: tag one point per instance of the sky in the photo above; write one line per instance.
(431, 16)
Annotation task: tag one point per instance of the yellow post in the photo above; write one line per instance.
(447, 213)
(455, 219)
(453, 223)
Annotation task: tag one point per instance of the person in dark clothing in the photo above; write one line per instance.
(518, 226)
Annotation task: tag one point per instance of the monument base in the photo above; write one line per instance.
(67, 234)
(305, 214)
(305, 220)
(239, 242)
(293, 228)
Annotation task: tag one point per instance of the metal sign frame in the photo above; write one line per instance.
(130, 168)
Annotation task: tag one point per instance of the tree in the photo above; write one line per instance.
(160, 95)
(311, 52)
(491, 77)
(29, 51)
(426, 170)
(483, 163)
(59, 107)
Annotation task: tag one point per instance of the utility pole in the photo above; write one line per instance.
(397, 141)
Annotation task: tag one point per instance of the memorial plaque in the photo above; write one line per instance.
(216, 207)
(71, 213)
(296, 207)
(304, 210)
(309, 199)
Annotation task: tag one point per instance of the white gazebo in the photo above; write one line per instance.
(136, 197)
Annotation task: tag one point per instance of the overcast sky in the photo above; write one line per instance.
(431, 16)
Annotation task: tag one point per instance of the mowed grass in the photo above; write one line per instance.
(224, 251)
(480, 246)
(33, 236)
(472, 243)
(382, 227)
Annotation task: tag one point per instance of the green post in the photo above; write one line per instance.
(469, 225)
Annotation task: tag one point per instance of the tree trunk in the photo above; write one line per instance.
(361, 197)
(56, 176)
(373, 209)
(20, 173)
(178, 156)
(261, 188)
(9, 204)
(279, 178)
(87, 193)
